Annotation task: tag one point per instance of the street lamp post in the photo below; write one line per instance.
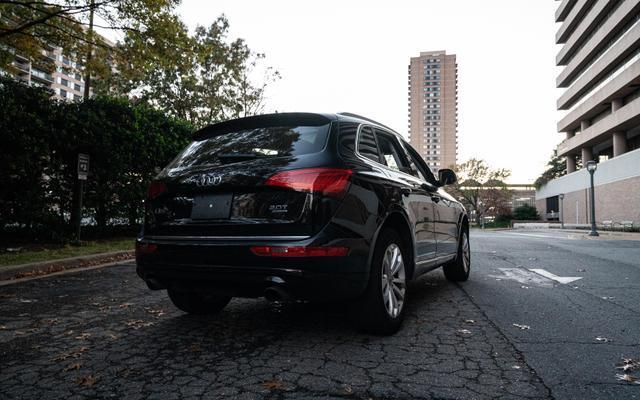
(561, 197)
(591, 167)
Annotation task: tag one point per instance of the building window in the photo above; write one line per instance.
(63, 93)
(64, 82)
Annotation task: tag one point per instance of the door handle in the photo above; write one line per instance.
(405, 191)
(435, 199)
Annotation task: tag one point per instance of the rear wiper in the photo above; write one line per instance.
(229, 157)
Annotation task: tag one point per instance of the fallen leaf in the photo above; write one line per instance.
(628, 378)
(273, 384)
(157, 312)
(73, 367)
(138, 323)
(72, 354)
(125, 306)
(516, 367)
(83, 336)
(3, 328)
(523, 327)
(629, 365)
(581, 270)
(348, 389)
(524, 287)
(195, 348)
(464, 331)
(607, 298)
(88, 380)
(469, 321)
(603, 339)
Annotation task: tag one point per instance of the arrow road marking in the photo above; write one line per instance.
(560, 279)
(523, 276)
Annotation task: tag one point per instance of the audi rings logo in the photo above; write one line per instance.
(205, 180)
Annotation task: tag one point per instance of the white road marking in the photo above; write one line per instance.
(522, 275)
(537, 235)
(560, 279)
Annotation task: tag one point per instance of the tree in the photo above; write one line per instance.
(526, 212)
(481, 188)
(557, 167)
(203, 78)
(28, 27)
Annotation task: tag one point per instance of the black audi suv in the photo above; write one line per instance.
(300, 206)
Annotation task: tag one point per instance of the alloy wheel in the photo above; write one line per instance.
(393, 280)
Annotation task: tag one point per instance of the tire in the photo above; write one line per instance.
(198, 303)
(381, 308)
(458, 270)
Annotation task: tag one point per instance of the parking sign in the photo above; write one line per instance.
(83, 166)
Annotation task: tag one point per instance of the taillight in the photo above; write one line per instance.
(299, 251)
(156, 189)
(328, 181)
(145, 248)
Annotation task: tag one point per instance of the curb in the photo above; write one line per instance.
(12, 272)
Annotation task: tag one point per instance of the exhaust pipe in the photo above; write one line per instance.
(275, 293)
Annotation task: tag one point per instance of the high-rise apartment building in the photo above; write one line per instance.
(600, 111)
(63, 74)
(433, 107)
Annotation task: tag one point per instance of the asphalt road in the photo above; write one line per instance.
(103, 334)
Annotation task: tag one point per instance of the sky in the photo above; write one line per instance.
(353, 56)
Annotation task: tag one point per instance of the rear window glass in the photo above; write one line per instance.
(253, 143)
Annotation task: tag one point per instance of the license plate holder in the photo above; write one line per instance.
(217, 206)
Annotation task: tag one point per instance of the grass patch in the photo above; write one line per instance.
(29, 254)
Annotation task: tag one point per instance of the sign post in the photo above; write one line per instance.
(83, 172)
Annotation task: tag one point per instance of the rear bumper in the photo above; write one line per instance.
(228, 267)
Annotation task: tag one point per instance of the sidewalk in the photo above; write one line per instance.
(11, 272)
(603, 235)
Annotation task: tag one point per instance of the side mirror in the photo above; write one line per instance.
(446, 177)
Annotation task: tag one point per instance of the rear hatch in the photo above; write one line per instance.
(252, 178)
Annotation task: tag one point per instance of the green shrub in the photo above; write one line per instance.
(526, 212)
(41, 140)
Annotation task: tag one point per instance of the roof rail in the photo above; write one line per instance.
(348, 114)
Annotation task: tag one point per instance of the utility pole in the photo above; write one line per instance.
(87, 72)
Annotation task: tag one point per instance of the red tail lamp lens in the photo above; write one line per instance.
(299, 251)
(145, 248)
(328, 181)
(156, 189)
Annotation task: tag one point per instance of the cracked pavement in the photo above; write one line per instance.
(103, 334)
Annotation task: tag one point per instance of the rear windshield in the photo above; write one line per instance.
(253, 143)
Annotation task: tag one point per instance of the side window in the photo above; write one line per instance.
(420, 165)
(347, 144)
(391, 152)
(367, 146)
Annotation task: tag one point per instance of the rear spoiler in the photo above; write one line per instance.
(262, 121)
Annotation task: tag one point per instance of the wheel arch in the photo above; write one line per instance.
(398, 221)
